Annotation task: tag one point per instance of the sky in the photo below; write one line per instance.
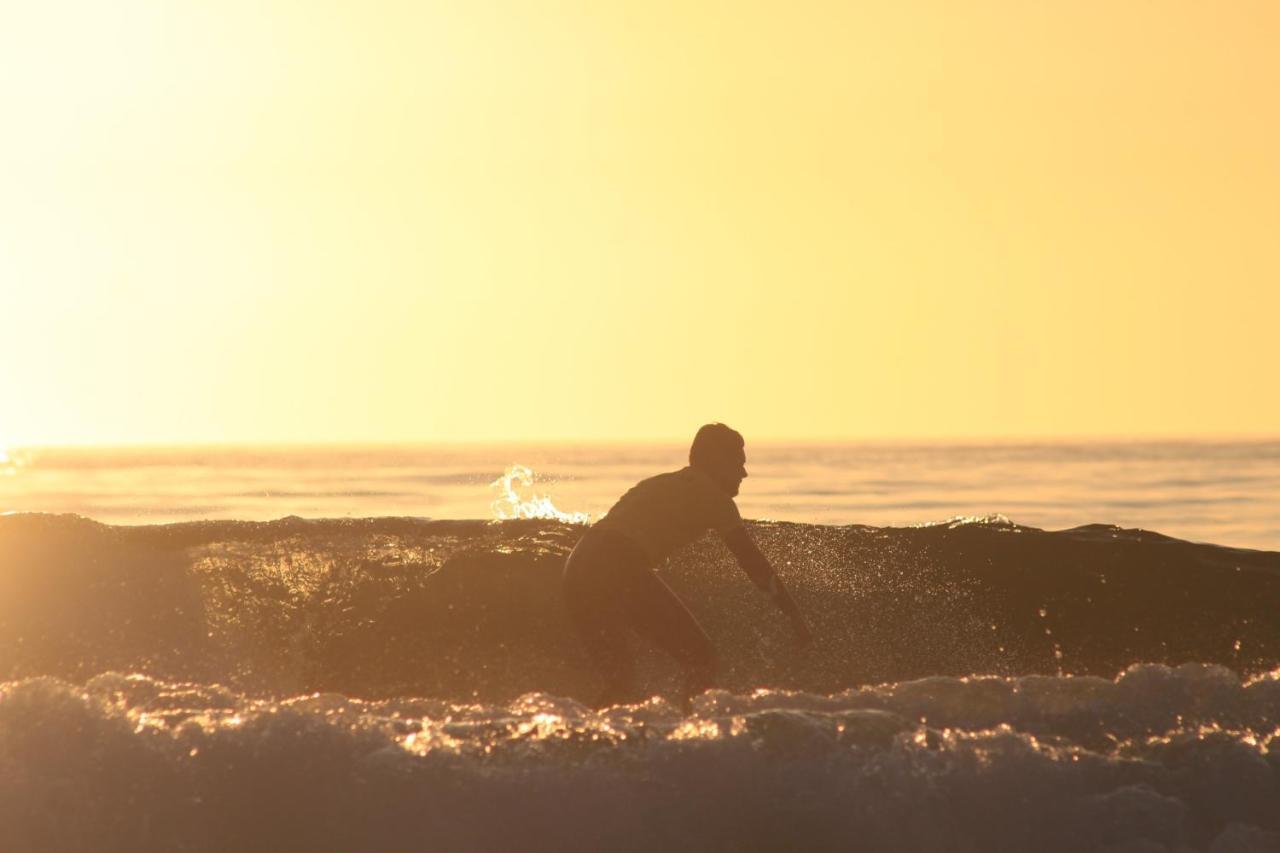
(280, 221)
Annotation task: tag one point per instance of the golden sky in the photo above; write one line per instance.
(308, 221)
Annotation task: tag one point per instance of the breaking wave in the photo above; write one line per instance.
(402, 684)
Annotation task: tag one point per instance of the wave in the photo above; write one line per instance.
(1157, 759)
(471, 610)
(976, 685)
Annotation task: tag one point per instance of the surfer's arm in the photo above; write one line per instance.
(757, 567)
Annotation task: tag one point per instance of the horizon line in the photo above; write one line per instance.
(921, 439)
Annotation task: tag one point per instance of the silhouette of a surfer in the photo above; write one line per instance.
(609, 583)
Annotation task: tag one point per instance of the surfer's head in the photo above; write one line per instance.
(720, 452)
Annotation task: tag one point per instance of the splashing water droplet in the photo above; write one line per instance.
(509, 504)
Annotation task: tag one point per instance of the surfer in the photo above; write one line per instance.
(610, 585)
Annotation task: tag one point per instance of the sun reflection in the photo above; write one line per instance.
(541, 726)
(696, 730)
(10, 460)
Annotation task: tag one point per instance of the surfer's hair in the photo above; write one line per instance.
(714, 442)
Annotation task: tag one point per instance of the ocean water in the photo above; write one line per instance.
(1219, 492)
(1054, 648)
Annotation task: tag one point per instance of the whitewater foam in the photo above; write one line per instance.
(1158, 759)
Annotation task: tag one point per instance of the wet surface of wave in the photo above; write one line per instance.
(401, 684)
(471, 610)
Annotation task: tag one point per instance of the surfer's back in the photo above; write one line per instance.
(668, 511)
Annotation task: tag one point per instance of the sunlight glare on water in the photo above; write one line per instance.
(10, 460)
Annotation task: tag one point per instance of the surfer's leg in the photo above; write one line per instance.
(658, 615)
(606, 645)
(592, 600)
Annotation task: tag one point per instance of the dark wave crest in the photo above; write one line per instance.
(470, 610)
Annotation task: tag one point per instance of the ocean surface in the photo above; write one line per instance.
(1019, 647)
(1220, 492)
